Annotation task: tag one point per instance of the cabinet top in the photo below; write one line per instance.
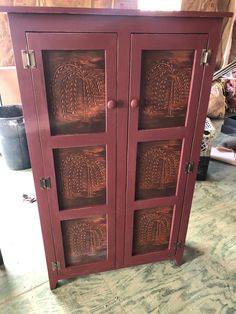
(118, 12)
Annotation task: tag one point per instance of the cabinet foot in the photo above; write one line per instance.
(178, 261)
(179, 256)
(52, 284)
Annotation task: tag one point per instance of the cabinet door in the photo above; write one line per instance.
(165, 82)
(75, 94)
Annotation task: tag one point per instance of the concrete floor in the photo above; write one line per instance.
(205, 283)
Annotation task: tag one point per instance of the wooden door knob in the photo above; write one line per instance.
(111, 104)
(134, 103)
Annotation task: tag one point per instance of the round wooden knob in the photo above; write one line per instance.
(134, 103)
(111, 104)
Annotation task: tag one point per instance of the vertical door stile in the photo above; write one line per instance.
(123, 79)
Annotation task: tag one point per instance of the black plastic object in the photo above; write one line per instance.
(202, 168)
(229, 126)
(230, 143)
(1, 259)
(13, 143)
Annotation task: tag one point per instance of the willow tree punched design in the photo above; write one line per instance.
(76, 90)
(165, 82)
(85, 239)
(81, 176)
(157, 168)
(151, 229)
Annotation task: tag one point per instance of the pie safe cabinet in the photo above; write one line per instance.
(114, 104)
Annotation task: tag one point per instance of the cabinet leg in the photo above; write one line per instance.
(52, 283)
(178, 261)
(179, 256)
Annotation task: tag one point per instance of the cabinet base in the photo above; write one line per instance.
(53, 282)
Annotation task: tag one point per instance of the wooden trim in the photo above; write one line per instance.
(122, 12)
(133, 24)
(123, 54)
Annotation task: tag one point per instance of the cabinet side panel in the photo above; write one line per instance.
(213, 42)
(34, 144)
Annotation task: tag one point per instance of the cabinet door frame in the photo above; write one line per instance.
(140, 42)
(77, 41)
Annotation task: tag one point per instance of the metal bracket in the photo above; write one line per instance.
(189, 167)
(56, 266)
(28, 59)
(45, 183)
(206, 56)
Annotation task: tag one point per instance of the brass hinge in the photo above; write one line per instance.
(178, 244)
(56, 266)
(206, 56)
(189, 167)
(45, 183)
(28, 59)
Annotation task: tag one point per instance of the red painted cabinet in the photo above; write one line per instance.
(115, 104)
